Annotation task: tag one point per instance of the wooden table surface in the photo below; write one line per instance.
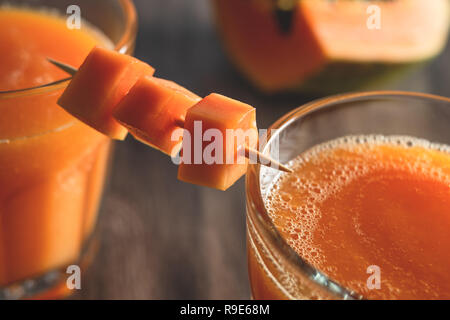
(164, 239)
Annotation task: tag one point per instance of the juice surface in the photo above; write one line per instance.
(52, 166)
(361, 201)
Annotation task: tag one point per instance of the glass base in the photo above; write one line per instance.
(51, 285)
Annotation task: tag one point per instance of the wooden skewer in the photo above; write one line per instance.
(64, 67)
(268, 161)
(249, 152)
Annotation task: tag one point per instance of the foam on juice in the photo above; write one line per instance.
(327, 212)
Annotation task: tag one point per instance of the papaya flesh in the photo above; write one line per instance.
(103, 79)
(153, 110)
(330, 47)
(219, 114)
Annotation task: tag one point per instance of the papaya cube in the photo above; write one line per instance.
(103, 79)
(153, 110)
(217, 130)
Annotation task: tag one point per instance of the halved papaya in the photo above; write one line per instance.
(103, 79)
(217, 130)
(330, 47)
(153, 110)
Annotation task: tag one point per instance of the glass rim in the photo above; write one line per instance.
(252, 181)
(121, 46)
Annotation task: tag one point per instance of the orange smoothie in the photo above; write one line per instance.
(368, 201)
(52, 167)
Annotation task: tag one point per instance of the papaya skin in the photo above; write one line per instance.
(329, 48)
(357, 77)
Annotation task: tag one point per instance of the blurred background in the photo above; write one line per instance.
(164, 239)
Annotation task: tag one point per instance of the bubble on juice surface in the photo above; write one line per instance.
(326, 168)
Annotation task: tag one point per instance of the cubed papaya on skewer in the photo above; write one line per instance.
(103, 79)
(217, 131)
(153, 110)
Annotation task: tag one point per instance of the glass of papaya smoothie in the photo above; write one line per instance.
(52, 166)
(366, 213)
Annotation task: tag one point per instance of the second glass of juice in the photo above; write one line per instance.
(52, 166)
(366, 211)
